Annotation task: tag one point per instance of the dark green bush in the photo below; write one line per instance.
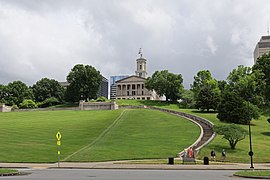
(49, 102)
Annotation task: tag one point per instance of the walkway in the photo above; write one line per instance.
(125, 165)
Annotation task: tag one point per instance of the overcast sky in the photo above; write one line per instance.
(46, 38)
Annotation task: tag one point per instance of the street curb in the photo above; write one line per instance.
(10, 174)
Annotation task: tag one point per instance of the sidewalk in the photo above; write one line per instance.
(124, 165)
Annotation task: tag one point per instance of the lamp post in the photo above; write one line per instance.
(250, 142)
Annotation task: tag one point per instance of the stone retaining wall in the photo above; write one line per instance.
(98, 105)
(4, 108)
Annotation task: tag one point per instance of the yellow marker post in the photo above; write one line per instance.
(58, 142)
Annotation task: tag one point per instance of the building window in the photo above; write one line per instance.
(128, 93)
(133, 93)
(148, 98)
(143, 98)
(142, 86)
(138, 98)
(142, 92)
(140, 66)
(133, 86)
(128, 87)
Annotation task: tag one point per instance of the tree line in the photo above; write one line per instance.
(236, 99)
(84, 82)
(245, 89)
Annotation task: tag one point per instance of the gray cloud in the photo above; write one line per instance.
(47, 38)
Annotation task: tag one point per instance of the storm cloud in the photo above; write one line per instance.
(47, 38)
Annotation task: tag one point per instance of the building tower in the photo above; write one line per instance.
(141, 66)
(262, 47)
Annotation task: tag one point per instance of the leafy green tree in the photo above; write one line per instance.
(249, 85)
(84, 83)
(206, 91)
(165, 83)
(187, 99)
(18, 91)
(28, 104)
(263, 65)
(222, 85)
(200, 80)
(3, 93)
(232, 133)
(48, 88)
(207, 98)
(234, 109)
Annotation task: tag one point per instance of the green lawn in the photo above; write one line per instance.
(93, 135)
(254, 173)
(260, 135)
(260, 141)
(6, 171)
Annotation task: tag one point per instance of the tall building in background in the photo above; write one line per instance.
(113, 79)
(262, 47)
(104, 88)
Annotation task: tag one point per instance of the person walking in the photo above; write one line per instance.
(213, 155)
(223, 155)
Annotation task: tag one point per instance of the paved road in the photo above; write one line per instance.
(109, 174)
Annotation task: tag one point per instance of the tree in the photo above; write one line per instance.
(3, 93)
(263, 65)
(232, 133)
(18, 91)
(200, 80)
(84, 83)
(187, 99)
(207, 98)
(165, 83)
(234, 109)
(206, 91)
(48, 88)
(249, 85)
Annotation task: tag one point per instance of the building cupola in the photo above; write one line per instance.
(141, 66)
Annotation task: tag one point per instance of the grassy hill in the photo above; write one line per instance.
(260, 134)
(93, 135)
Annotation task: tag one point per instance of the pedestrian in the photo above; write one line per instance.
(190, 153)
(185, 152)
(223, 155)
(213, 155)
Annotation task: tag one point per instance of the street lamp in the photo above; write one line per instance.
(250, 142)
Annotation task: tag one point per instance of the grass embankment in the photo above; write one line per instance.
(93, 135)
(254, 173)
(260, 134)
(7, 171)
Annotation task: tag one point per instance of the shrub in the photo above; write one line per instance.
(27, 104)
(49, 102)
(15, 107)
(102, 99)
(232, 133)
